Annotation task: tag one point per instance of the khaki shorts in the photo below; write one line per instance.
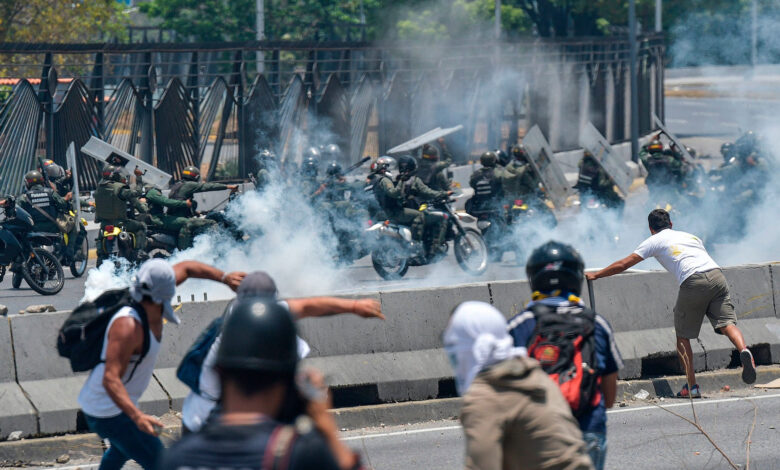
(702, 294)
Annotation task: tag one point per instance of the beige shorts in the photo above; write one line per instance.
(702, 294)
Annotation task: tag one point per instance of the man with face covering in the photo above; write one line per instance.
(514, 417)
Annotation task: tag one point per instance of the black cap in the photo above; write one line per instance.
(259, 335)
(257, 284)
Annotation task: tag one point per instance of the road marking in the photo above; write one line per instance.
(676, 121)
(401, 433)
(75, 467)
(705, 113)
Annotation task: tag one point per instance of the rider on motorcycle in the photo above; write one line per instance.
(433, 172)
(266, 163)
(161, 221)
(184, 190)
(114, 202)
(48, 210)
(595, 181)
(310, 168)
(488, 186)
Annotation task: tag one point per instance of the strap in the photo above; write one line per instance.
(145, 348)
(43, 213)
(278, 450)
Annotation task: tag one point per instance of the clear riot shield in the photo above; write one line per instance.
(423, 139)
(595, 143)
(546, 168)
(101, 151)
(686, 156)
(70, 156)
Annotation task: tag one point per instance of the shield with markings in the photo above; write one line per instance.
(546, 168)
(101, 151)
(686, 156)
(595, 143)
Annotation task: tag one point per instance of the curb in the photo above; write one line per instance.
(45, 451)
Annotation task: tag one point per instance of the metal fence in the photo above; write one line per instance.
(218, 105)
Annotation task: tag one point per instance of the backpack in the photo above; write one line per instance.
(80, 338)
(191, 365)
(278, 450)
(565, 346)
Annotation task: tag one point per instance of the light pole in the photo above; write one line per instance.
(260, 35)
(634, 84)
(658, 10)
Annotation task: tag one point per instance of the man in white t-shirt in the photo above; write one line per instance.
(109, 397)
(703, 291)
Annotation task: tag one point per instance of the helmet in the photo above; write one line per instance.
(53, 171)
(311, 152)
(310, 167)
(112, 173)
(655, 145)
(725, 150)
(503, 157)
(383, 164)
(407, 165)
(267, 155)
(331, 151)
(488, 159)
(519, 152)
(691, 151)
(32, 178)
(429, 152)
(258, 335)
(334, 169)
(555, 266)
(190, 173)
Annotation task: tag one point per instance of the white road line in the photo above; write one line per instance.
(677, 121)
(401, 433)
(75, 467)
(705, 113)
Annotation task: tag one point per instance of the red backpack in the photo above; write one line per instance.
(565, 346)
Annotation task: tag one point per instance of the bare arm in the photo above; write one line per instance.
(326, 306)
(615, 268)
(195, 269)
(125, 337)
(609, 389)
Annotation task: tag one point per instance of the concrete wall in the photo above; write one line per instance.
(370, 361)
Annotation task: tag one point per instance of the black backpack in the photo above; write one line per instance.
(81, 337)
(565, 346)
(191, 365)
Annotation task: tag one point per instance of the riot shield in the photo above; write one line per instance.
(686, 156)
(70, 156)
(100, 150)
(595, 143)
(546, 168)
(423, 139)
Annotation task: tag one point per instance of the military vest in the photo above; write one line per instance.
(425, 172)
(386, 202)
(154, 208)
(109, 207)
(177, 193)
(487, 186)
(42, 199)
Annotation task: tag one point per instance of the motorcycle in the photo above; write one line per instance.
(117, 242)
(394, 250)
(56, 243)
(41, 269)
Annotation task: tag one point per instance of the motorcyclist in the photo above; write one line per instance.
(49, 210)
(433, 172)
(331, 152)
(526, 184)
(162, 221)
(414, 191)
(184, 190)
(266, 164)
(310, 169)
(488, 186)
(114, 204)
(594, 180)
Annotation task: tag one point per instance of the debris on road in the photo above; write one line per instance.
(642, 394)
(3, 310)
(15, 436)
(38, 309)
(64, 458)
(773, 384)
(725, 388)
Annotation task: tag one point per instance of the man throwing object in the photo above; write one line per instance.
(703, 291)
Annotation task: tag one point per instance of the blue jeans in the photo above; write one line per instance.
(127, 442)
(596, 444)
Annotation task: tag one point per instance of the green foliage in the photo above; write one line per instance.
(61, 21)
(205, 20)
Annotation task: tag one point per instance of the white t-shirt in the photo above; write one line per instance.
(197, 407)
(93, 398)
(680, 253)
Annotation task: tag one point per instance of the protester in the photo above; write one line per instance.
(555, 272)
(109, 398)
(514, 417)
(199, 404)
(257, 362)
(703, 291)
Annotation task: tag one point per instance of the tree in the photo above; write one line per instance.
(60, 21)
(205, 20)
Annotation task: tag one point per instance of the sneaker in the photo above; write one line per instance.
(748, 366)
(692, 393)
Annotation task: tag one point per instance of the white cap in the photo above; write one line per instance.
(156, 280)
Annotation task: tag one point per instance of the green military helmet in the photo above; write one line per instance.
(555, 266)
(384, 164)
(33, 178)
(334, 170)
(112, 173)
(258, 335)
(520, 153)
(430, 152)
(190, 173)
(503, 157)
(54, 171)
(654, 146)
(489, 159)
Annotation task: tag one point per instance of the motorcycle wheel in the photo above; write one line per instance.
(78, 268)
(38, 280)
(471, 252)
(390, 263)
(16, 280)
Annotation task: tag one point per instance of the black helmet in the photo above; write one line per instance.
(488, 159)
(555, 266)
(267, 155)
(384, 164)
(258, 335)
(311, 152)
(430, 152)
(519, 152)
(407, 165)
(310, 167)
(331, 152)
(190, 173)
(112, 173)
(33, 178)
(334, 170)
(503, 157)
(725, 150)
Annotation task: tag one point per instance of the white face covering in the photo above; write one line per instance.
(476, 338)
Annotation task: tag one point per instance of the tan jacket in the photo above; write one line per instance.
(515, 418)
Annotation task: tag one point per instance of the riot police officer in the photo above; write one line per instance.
(266, 164)
(163, 221)
(488, 186)
(413, 192)
(114, 203)
(47, 209)
(594, 180)
(310, 170)
(431, 171)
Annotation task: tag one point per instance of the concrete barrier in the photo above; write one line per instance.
(400, 359)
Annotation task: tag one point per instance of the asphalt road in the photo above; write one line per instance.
(727, 117)
(640, 436)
